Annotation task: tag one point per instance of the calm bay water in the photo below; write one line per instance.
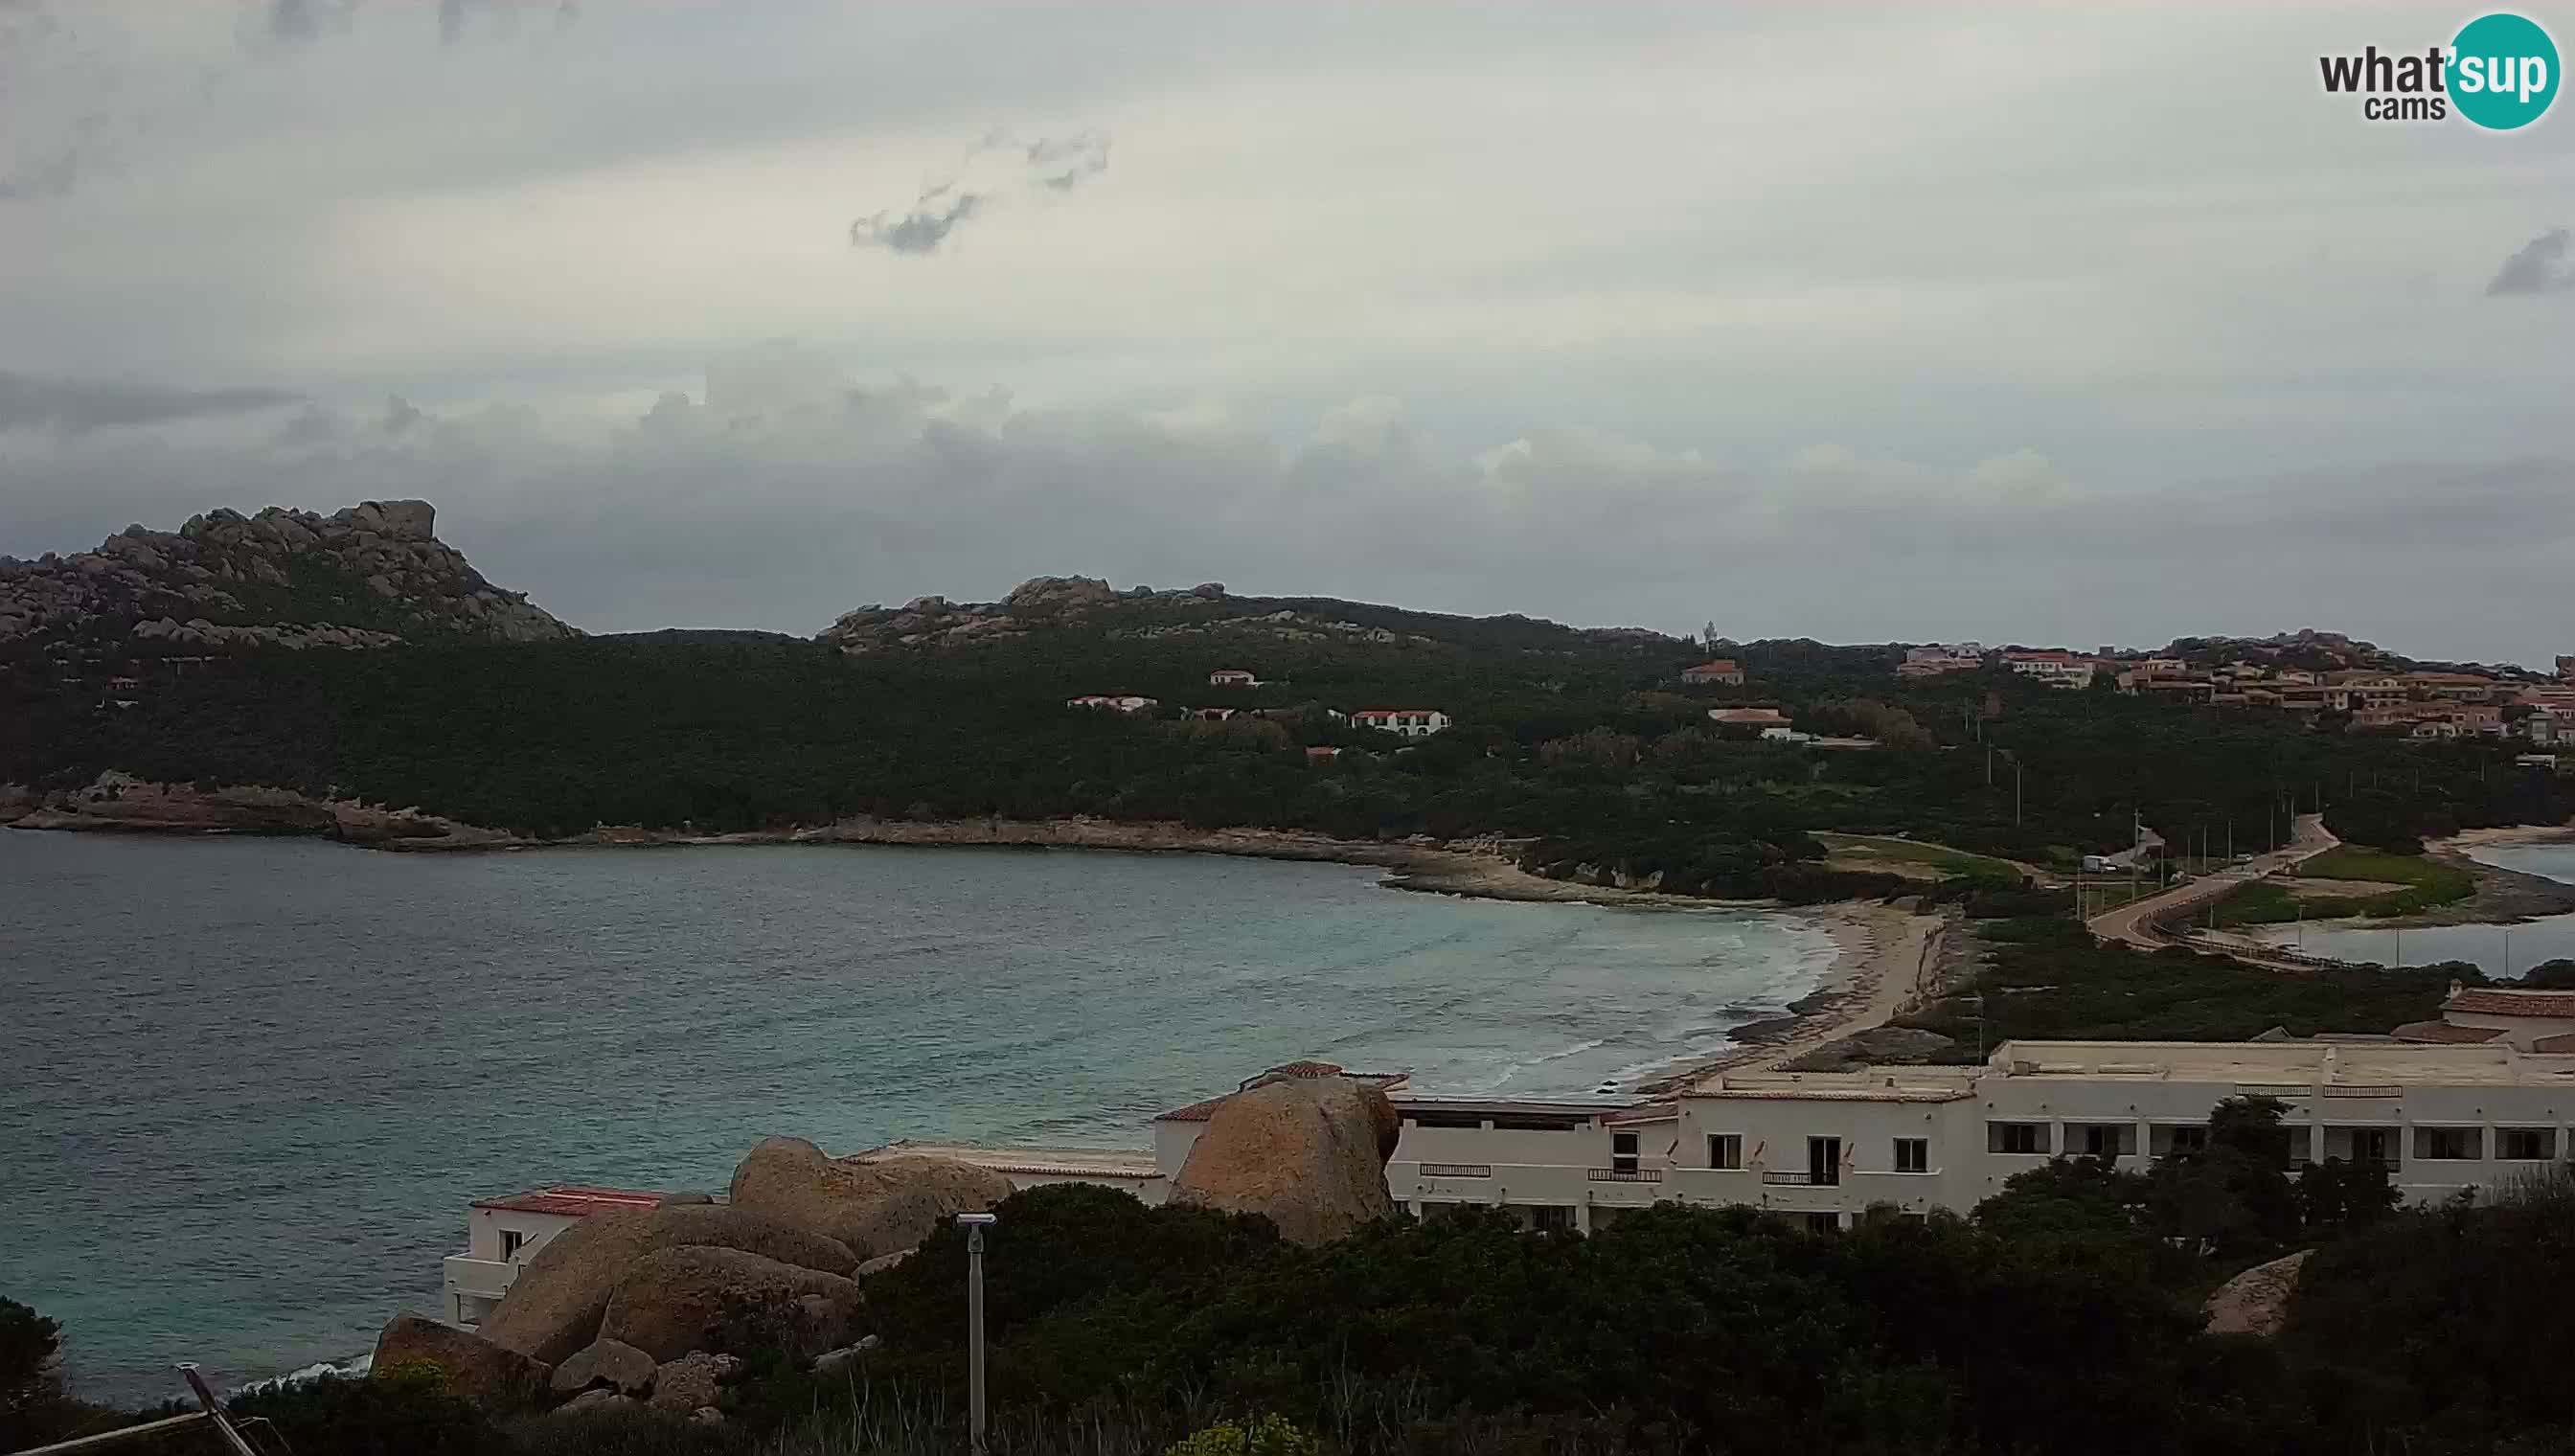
(247, 1087)
(2492, 947)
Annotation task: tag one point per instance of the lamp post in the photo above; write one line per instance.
(975, 1224)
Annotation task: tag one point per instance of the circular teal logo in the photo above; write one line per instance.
(2503, 71)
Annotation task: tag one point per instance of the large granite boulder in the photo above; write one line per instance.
(2256, 1302)
(876, 1207)
(554, 1304)
(693, 1383)
(727, 1226)
(467, 1364)
(673, 1302)
(1302, 1151)
(620, 1367)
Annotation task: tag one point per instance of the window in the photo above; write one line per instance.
(1825, 1161)
(2452, 1145)
(512, 1240)
(1725, 1150)
(1552, 1219)
(1824, 1223)
(2525, 1145)
(2190, 1139)
(2016, 1137)
(1914, 1154)
(2371, 1145)
(1622, 1152)
(2106, 1139)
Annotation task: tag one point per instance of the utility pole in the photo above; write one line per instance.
(975, 1224)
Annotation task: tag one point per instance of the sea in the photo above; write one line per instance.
(248, 1086)
(2496, 950)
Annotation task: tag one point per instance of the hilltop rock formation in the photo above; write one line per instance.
(876, 1207)
(370, 575)
(1309, 1153)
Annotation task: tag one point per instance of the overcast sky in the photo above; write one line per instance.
(2088, 327)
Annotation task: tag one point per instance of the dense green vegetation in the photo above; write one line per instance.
(2062, 1316)
(1583, 743)
(2044, 976)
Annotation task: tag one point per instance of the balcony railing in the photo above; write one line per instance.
(489, 1278)
(1626, 1175)
(2360, 1089)
(1456, 1170)
(1802, 1179)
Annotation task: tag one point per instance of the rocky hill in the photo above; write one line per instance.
(370, 575)
(1142, 614)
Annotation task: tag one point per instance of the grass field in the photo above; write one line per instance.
(2427, 883)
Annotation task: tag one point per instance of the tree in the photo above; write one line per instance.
(32, 1400)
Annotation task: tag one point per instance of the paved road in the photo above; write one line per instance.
(2131, 923)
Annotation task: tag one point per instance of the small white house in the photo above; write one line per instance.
(501, 1234)
(1113, 701)
(1231, 678)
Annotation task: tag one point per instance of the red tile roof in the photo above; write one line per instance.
(2562, 1042)
(574, 1201)
(2491, 1002)
(2444, 1031)
(1719, 665)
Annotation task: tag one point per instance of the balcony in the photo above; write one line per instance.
(1625, 1175)
(483, 1278)
(1456, 1170)
(1792, 1179)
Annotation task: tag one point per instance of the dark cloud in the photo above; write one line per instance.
(74, 405)
(296, 22)
(2538, 268)
(1002, 167)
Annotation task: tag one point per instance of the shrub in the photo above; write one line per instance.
(1270, 1435)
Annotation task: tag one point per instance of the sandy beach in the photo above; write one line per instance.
(1885, 954)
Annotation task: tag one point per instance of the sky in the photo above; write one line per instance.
(2067, 326)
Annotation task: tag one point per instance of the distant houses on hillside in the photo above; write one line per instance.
(1719, 671)
(1410, 722)
(1114, 701)
(1231, 678)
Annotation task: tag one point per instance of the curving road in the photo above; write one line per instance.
(2133, 923)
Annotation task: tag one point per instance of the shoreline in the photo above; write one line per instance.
(1884, 953)
(1480, 869)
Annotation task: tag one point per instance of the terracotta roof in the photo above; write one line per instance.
(1194, 1112)
(2561, 1044)
(2444, 1031)
(573, 1200)
(1719, 665)
(2491, 1002)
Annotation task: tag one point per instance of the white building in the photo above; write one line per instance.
(2055, 667)
(501, 1234)
(1113, 701)
(1410, 723)
(1231, 678)
(1825, 1146)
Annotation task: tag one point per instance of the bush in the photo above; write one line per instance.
(399, 1414)
(1270, 1435)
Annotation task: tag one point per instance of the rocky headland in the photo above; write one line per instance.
(369, 576)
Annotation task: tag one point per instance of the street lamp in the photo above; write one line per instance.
(975, 1224)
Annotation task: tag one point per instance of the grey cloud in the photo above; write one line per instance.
(455, 16)
(297, 22)
(76, 406)
(1001, 167)
(2537, 268)
(833, 496)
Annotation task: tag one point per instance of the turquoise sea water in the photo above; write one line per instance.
(248, 1086)
(2498, 949)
